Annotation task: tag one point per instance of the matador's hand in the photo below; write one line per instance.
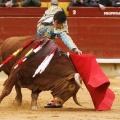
(76, 50)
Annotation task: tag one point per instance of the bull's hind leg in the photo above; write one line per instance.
(34, 96)
(8, 85)
(18, 98)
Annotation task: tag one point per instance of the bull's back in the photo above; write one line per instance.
(12, 44)
(8, 47)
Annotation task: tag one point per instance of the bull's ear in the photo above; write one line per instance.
(71, 76)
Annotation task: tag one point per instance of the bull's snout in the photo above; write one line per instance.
(58, 101)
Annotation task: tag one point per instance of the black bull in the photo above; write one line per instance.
(60, 75)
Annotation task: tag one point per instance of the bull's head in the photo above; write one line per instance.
(66, 88)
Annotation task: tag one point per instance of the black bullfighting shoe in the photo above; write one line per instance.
(52, 105)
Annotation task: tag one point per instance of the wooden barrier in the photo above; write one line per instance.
(97, 32)
(22, 12)
(14, 26)
(93, 35)
(98, 36)
(94, 12)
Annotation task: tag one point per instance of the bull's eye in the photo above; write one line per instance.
(71, 87)
(60, 103)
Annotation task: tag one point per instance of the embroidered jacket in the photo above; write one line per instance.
(50, 31)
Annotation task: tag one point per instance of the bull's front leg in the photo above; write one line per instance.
(8, 85)
(18, 98)
(34, 96)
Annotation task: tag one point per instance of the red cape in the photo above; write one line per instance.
(95, 80)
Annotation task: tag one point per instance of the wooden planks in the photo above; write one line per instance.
(22, 11)
(93, 35)
(101, 41)
(14, 26)
(94, 12)
(96, 35)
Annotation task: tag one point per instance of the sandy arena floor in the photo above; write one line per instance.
(70, 110)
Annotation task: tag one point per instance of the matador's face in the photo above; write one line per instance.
(57, 24)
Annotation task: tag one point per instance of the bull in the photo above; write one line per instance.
(60, 76)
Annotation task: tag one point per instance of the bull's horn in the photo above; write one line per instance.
(78, 79)
(76, 101)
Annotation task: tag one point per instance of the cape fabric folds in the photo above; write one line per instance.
(95, 80)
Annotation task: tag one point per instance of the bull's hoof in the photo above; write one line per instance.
(35, 108)
(17, 102)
